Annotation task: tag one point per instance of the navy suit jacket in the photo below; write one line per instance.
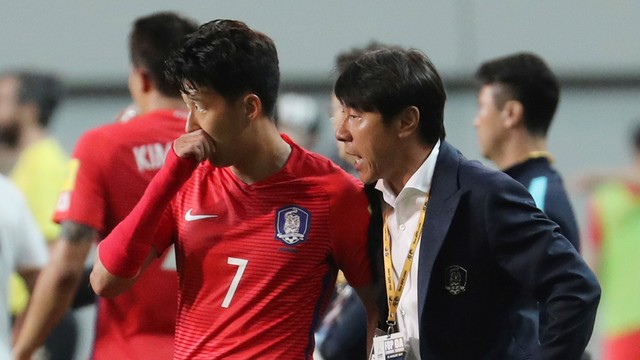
(487, 251)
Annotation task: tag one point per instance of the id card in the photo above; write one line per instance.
(390, 346)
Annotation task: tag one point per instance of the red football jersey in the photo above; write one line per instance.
(110, 169)
(257, 263)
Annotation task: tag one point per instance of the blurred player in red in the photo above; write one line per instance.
(109, 171)
(260, 225)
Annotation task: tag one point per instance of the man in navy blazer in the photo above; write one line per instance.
(458, 249)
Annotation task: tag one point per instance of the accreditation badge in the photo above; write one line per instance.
(389, 346)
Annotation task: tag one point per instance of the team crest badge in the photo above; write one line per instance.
(292, 224)
(455, 279)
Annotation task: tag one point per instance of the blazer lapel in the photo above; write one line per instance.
(443, 200)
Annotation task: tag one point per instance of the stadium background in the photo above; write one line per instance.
(591, 45)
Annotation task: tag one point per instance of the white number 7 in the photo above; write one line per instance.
(242, 264)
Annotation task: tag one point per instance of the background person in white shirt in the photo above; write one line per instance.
(22, 249)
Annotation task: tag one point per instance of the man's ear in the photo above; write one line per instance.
(513, 113)
(146, 81)
(252, 106)
(407, 121)
(141, 80)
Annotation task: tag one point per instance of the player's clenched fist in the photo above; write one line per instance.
(195, 144)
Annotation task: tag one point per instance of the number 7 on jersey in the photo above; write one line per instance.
(241, 264)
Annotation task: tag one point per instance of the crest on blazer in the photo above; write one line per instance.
(455, 279)
(292, 224)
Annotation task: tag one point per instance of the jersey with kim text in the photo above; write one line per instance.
(110, 168)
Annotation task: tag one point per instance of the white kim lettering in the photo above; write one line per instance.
(150, 156)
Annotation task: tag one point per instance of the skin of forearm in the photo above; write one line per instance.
(29, 276)
(108, 285)
(54, 291)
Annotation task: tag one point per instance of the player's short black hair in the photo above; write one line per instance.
(152, 39)
(230, 58)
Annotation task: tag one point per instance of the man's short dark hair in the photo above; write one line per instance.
(527, 79)
(344, 58)
(229, 58)
(392, 79)
(151, 41)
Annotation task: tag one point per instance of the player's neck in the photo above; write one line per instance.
(520, 149)
(155, 101)
(266, 154)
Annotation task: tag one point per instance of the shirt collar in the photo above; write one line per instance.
(420, 180)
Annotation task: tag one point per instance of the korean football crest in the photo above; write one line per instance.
(292, 224)
(455, 279)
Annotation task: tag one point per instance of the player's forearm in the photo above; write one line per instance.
(29, 276)
(55, 287)
(125, 249)
(108, 285)
(50, 300)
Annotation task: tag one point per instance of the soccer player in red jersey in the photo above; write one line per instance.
(260, 225)
(111, 167)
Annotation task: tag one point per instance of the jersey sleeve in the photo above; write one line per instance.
(124, 250)
(82, 198)
(164, 235)
(349, 226)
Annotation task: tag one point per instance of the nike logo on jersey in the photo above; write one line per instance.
(190, 217)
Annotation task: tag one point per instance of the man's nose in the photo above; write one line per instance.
(192, 123)
(342, 130)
